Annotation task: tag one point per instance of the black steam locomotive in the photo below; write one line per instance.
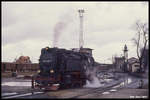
(61, 68)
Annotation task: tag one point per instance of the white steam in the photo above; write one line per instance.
(93, 81)
(60, 26)
(94, 84)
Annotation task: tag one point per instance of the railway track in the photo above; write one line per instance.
(100, 90)
(34, 93)
(96, 90)
(65, 93)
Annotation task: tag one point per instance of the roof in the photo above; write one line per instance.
(132, 60)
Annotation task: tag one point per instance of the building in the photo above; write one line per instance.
(23, 60)
(121, 63)
(133, 64)
(13, 67)
(104, 67)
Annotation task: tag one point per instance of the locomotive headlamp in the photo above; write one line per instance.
(46, 48)
(38, 71)
(51, 71)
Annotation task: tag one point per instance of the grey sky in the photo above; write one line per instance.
(108, 26)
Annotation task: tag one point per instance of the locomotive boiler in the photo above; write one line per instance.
(61, 68)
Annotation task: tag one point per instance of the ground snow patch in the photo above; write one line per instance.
(16, 84)
(105, 93)
(113, 90)
(6, 94)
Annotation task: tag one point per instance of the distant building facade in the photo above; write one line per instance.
(133, 64)
(23, 60)
(121, 63)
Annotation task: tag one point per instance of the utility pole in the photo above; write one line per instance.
(81, 42)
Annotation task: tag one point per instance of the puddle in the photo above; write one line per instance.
(106, 93)
(16, 84)
(124, 83)
(6, 94)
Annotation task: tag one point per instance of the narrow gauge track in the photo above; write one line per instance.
(32, 93)
(102, 89)
(98, 90)
(118, 85)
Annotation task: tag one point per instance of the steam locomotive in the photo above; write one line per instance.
(61, 68)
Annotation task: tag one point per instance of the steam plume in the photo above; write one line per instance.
(60, 27)
(93, 80)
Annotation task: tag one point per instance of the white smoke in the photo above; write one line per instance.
(94, 84)
(60, 26)
(92, 81)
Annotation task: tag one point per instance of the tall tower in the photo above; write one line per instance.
(125, 53)
(81, 42)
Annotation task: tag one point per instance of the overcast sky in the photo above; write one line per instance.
(108, 26)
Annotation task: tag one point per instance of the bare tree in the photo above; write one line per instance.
(141, 40)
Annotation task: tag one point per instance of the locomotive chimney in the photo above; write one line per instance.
(81, 11)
